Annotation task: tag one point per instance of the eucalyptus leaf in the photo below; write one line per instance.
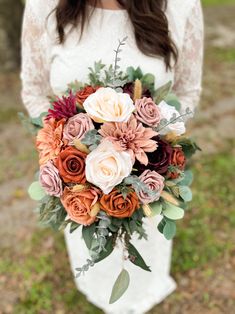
(172, 100)
(73, 226)
(87, 234)
(120, 286)
(156, 208)
(108, 250)
(162, 92)
(169, 229)
(161, 225)
(185, 193)
(173, 212)
(36, 192)
(136, 258)
(187, 178)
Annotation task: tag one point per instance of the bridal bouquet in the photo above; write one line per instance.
(112, 153)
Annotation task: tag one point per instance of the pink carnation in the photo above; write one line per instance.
(155, 182)
(130, 136)
(50, 180)
(77, 126)
(147, 111)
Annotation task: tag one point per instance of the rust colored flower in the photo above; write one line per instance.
(82, 95)
(116, 206)
(49, 140)
(79, 204)
(71, 165)
(178, 160)
(130, 136)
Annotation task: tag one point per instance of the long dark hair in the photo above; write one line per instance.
(147, 16)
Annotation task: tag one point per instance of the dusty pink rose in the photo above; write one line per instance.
(147, 111)
(50, 180)
(132, 137)
(77, 126)
(155, 182)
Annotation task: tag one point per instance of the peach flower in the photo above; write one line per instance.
(49, 140)
(132, 137)
(79, 204)
(108, 105)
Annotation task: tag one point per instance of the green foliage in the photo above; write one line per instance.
(169, 229)
(172, 212)
(51, 212)
(172, 100)
(36, 192)
(189, 147)
(162, 92)
(136, 258)
(156, 208)
(92, 139)
(147, 80)
(120, 286)
(88, 234)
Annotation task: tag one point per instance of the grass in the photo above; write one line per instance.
(217, 2)
(206, 234)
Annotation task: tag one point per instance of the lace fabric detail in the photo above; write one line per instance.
(188, 70)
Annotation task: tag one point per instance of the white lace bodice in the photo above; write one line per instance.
(48, 67)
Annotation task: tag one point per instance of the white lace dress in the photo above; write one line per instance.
(48, 67)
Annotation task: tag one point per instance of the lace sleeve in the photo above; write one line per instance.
(188, 72)
(35, 65)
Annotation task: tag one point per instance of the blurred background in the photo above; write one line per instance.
(35, 275)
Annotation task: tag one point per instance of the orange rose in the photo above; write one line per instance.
(178, 160)
(71, 165)
(49, 141)
(116, 206)
(82, 95)
(79, 204)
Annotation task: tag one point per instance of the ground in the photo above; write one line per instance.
(34, 272)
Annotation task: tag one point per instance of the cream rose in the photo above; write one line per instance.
(108, 105)
(167, 112)
(106, 167)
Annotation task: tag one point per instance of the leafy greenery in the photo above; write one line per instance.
(120, 286)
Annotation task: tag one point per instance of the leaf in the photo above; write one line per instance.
(169, 229)
(156, 208)
(120, 286)
(109, 247)
(73, 226)
(162, 92)
(87, 234)
(35, 191)
(185, 193)
(172, 100)
(187, 178)
(173, 212)
(136, 258)
(161, 225)
(39, 120)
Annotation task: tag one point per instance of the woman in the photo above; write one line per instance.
(60, 40)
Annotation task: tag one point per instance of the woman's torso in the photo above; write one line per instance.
(70, 62)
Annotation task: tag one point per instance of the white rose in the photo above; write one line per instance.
(108, 105)
(167, 112)
(106, 167)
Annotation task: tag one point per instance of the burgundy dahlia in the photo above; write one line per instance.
(160, 159)
(128, 88)
(64, 107)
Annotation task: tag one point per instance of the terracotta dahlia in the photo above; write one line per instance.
(49, 140)
(64, 107)
(132, 137)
